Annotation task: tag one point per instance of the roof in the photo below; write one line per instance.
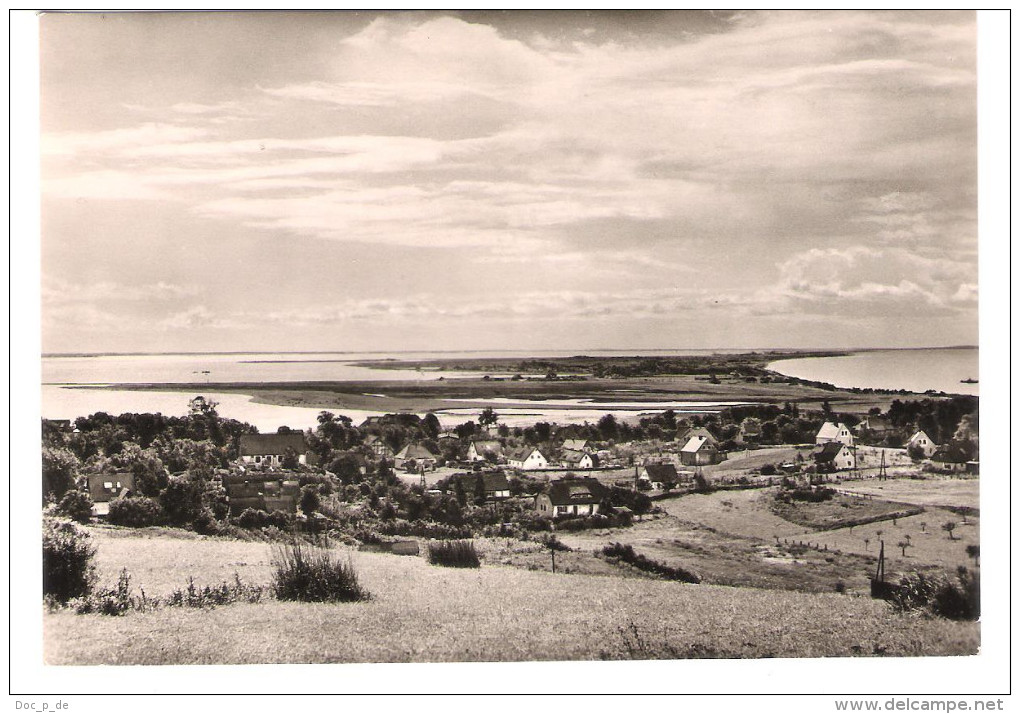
(827, 452)
(522, 453)
(416, 451)
(495, 481)
(271, 444)
(568, 492)
(490, 445)
(698, 431)
(695, 443)
(662, 472)
(101, 494)
(828, 431)
(575, 444)
(917, 435)
(876, 421)
(750, 425)
(950, 454)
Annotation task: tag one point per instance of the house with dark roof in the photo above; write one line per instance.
(261, 491)
(576, 445)
(484, 450)
(876, 424)
(415, 457)
(950, 457)
(659, 476)
(379, 447)
(269, 450)
(698, 431)
(571, 497)
(834, 456)
(527, 458)
(579, 459)
(103, 488)
(699, 451)
(495, 484)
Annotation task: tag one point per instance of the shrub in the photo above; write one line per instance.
(313, 575)
(119, 600)
(135, 512)
(627, 554)
(454, 554)
(68, 571)
(205, 523)
(181, 500)
(254, 518)
(76, 505)
(938, 594)
(108, 601)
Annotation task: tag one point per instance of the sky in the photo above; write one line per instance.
(524, 180)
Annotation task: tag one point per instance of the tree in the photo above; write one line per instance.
(479, 491)
(290, 459)
(924, 524)
(76, 505)
(59, 471)
(488, 417)
(431, 426)
(974, 551)
(459, 492)
(608, 427)
(949, 527)
(310, 500)
(903, 545)
(181, 500)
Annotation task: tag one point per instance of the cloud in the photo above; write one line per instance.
(876, 282)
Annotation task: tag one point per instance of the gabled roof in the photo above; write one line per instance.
(662, 472)
(917, 435)
(828, 451)
(949, 454)
(875, 422)
(698, 431)
(490, 445)
(415, 451)
(271, 444)
(575, 444)
(522, 453)
(695, 443)
(567, 492)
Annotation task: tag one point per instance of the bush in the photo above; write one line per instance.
(181, 500)
(68, 571)
(135, 512)
(627, 554)
(454, 554)
(807, 495)
(76, 505)
(119, 600)
(253, 518)
(312, 575)
(940, 595)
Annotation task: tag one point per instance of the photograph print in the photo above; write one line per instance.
(508, 336)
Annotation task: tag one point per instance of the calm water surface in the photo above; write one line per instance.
(913, 370)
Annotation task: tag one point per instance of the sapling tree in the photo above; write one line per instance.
(949, 527)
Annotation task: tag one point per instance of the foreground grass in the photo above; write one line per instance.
(423, 613)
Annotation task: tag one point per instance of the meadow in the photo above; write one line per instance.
(423, 613)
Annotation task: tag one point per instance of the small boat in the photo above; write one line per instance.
(969, 380)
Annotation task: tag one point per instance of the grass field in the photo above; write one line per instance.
(424, 613)
(839, 511)
(946, 492)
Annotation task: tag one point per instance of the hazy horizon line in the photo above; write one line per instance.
(580, 351)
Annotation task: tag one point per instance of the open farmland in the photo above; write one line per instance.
(424, 613)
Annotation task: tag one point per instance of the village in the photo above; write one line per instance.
(401, 478)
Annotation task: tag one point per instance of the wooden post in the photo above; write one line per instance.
(553, 553)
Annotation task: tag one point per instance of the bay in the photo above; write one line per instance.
(916, 370)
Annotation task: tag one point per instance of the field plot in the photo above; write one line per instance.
(949, 492)
(742, 512)
(424, 613)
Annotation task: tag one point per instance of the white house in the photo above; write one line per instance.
(835, 456)
(484, 450)
(659, 476)
(579, 459)
(924, 442)
(834, 432)
(527, 459)
(699, 451)
(570, 497)
(270, 449)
